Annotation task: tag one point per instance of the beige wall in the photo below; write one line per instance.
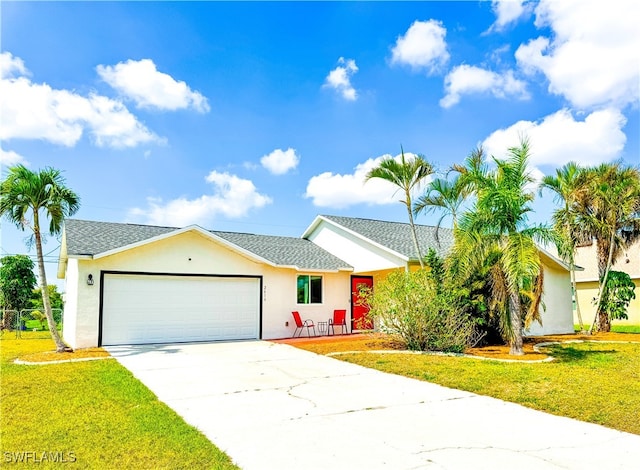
(587, 291)
(628, 262)
(587, 282)
(194, 253)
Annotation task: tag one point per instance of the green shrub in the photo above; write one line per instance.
(619, 291)
(411, 307)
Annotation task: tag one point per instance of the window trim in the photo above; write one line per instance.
(309, 276)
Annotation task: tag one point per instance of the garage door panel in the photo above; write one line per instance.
(140, 309)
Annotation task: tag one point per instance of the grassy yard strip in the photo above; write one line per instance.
(597, 382)
(95, 412)
(626, 328)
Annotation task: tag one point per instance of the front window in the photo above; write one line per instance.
(309, 289)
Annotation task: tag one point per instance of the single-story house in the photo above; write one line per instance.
(587, 281)
(136, 284)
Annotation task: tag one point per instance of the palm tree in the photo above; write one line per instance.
(610, 213)
(445, 195)
(568, 190)
(407, 175)
(495, 233)
(25, 198)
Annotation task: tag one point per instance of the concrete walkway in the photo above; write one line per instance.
(272, 406)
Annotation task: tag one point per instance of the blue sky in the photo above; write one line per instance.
(256, 117)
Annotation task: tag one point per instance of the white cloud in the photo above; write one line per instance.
(10, 158)
(423, 46)
(37, 111)
(340, 79)
(339, 191)
(559, 138)
(280, 161)
(467, 79)
(592, 58)
(149, 88)
(11, 66)
(233, 197)
(507, 11)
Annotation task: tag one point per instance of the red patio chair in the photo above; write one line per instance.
(339, 319)
(300, 325)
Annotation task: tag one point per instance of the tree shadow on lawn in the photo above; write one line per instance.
(567, 353)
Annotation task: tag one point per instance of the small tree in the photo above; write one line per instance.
(409, 306)
(16, 281)
(26, 197)
(618, 292)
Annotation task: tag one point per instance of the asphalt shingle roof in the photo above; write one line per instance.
(86, 237)
(91, 238)
(285, 251)
(397, 235)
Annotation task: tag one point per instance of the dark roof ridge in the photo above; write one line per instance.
(368, 219)
(123, 223)
(169, 227)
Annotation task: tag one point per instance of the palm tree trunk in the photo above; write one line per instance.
(574, 286)
(413, 231)
(60, 345)
(601, 317)
(516, 325)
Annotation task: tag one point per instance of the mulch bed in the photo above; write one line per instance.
(377, 341)
(52, 356)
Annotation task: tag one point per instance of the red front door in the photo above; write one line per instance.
(359, 320)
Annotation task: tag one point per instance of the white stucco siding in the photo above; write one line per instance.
(557, 317)
(70, 319)
(363, 256)
(185, 253)
(280, 299)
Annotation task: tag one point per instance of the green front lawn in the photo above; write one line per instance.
(94, 412)
(625, 328)
(616, 328)
(594, 382)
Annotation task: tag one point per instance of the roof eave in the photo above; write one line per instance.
(313, 225)
(557, 261)
(314, 270)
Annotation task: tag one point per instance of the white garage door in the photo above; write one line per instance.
(141, 309)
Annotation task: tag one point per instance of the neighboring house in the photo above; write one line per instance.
(374, 248)
(136, 284)
(587, 282)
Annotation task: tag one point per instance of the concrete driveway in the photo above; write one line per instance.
(272, 406)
